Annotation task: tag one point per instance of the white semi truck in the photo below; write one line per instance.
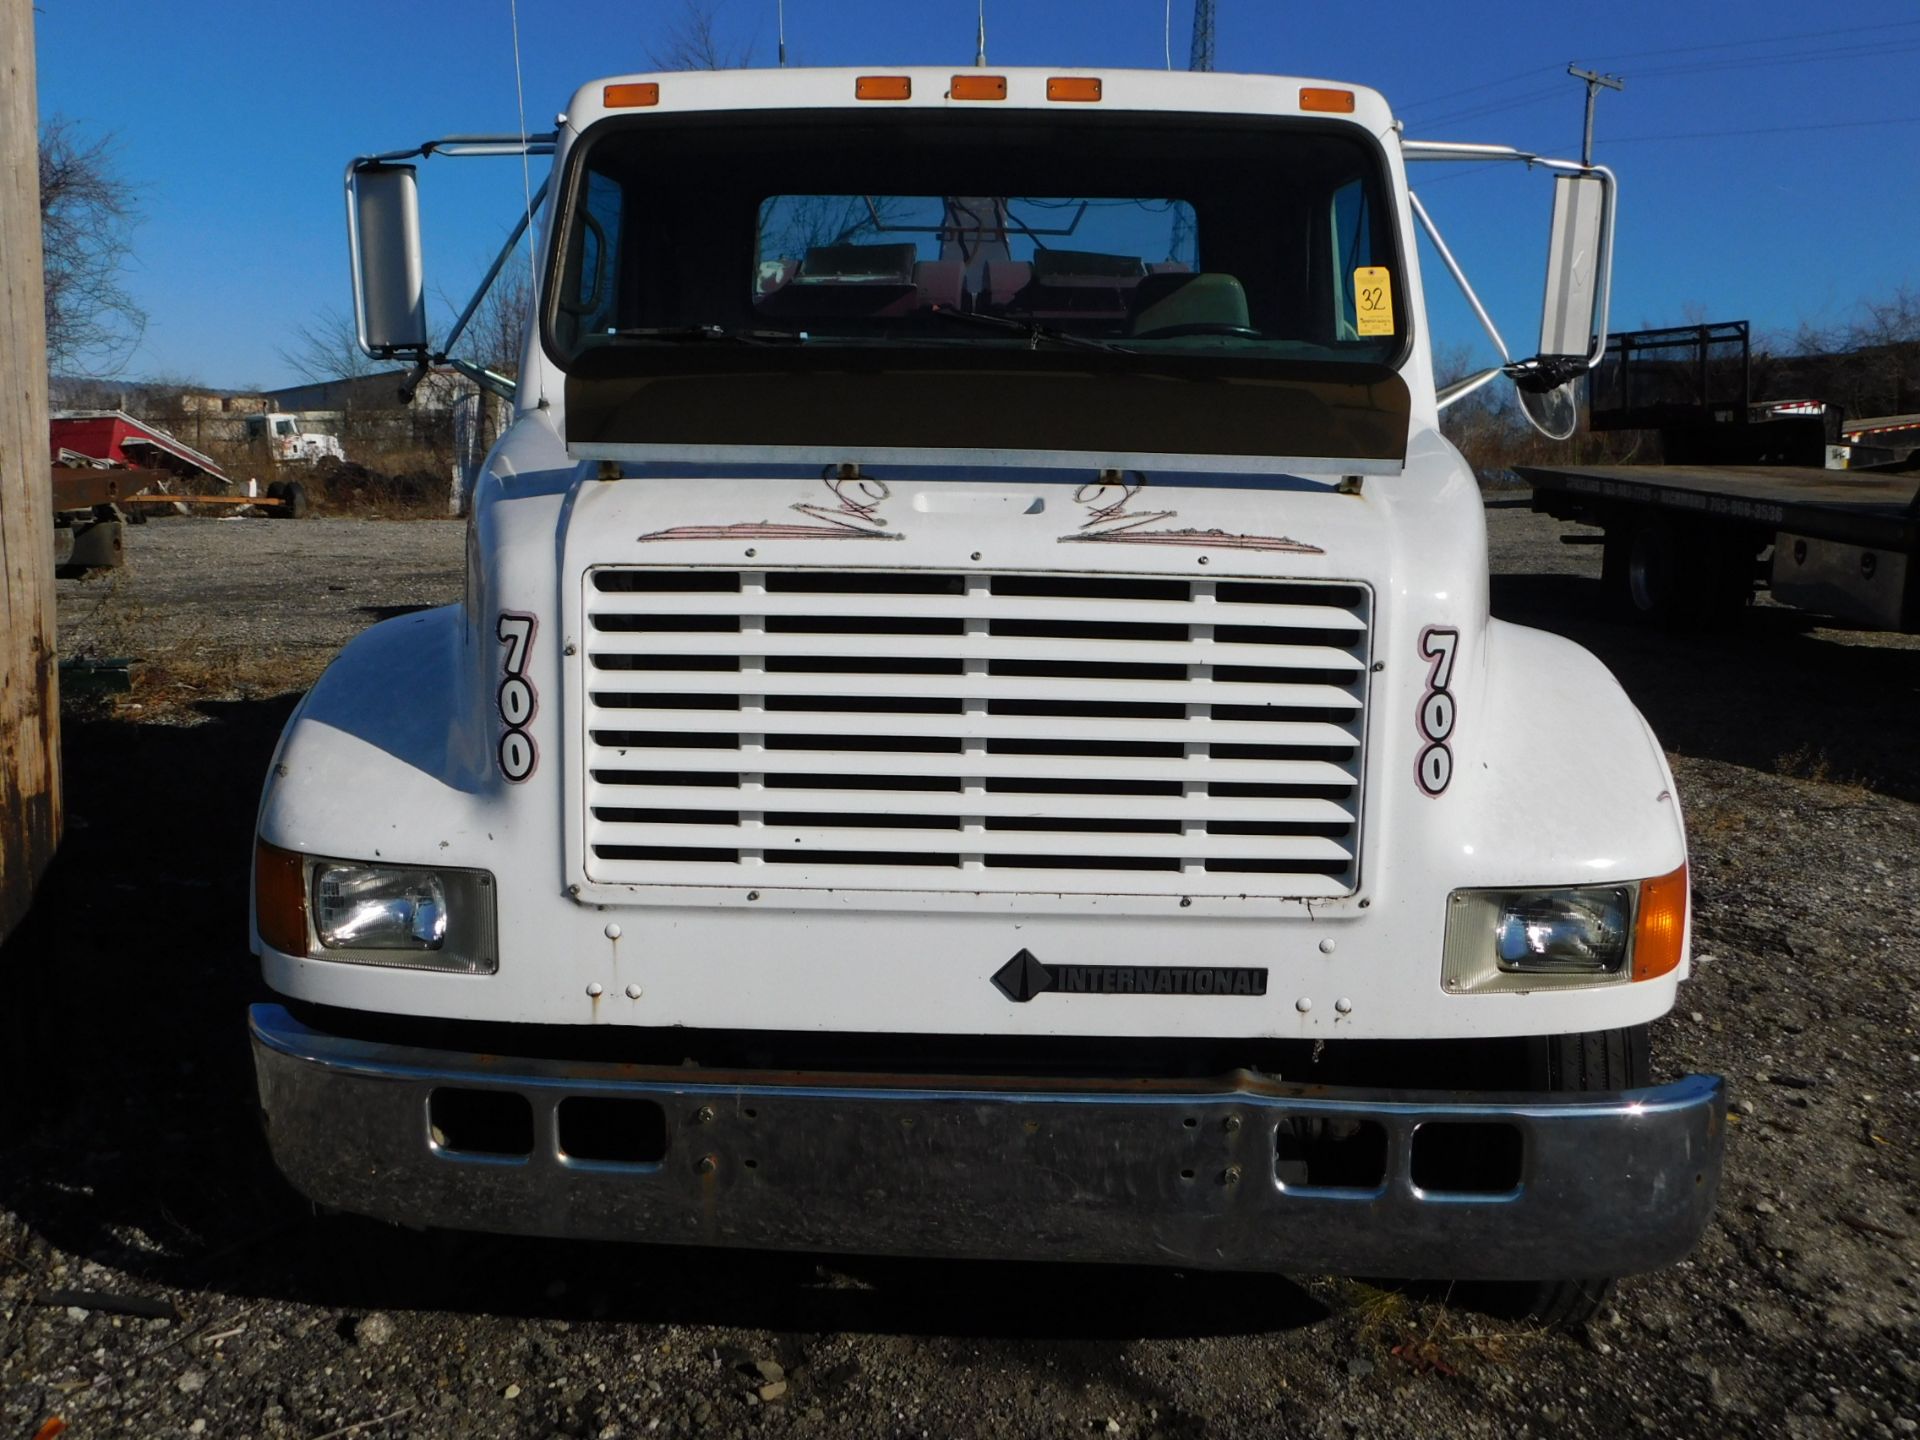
(285, 438)
(975, 727)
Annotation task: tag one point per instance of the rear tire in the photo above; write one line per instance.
(298, 505)
(1661, 571)
(1601, 1060)
(1639, 569)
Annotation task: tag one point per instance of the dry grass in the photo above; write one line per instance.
(1808, 761)
(1433, 1338)
(172, 686)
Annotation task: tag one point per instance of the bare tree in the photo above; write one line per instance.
(498, 331)
(327, 348)
(695, 42)
(1868, 363)
(87, 217)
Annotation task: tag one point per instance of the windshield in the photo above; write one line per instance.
(1164, 235)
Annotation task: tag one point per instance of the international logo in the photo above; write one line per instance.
(1023, 978)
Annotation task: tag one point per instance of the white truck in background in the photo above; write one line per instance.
(975, 727)
(286, 439)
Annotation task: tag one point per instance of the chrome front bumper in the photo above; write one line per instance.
(1176, 1173)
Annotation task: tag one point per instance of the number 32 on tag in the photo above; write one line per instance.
(1373, 300)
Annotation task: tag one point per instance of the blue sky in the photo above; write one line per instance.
(1769, 151)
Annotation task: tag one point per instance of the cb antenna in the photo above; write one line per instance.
(1594, 84)
(780, 26)
(980, 37)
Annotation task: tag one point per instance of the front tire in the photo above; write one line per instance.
(1601, 1060)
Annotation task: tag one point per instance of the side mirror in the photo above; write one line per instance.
(1575, 262)
(1573, 317)
(389, 282)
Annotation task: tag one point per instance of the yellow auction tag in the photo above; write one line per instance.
(1373, 300)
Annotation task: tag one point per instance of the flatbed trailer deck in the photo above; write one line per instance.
(1682, 540)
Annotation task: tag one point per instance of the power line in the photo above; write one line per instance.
(1848, 49)
(1494, 107)
(1826, 34)
(1532, 97)
(1514, 78)
(1762, 130)
(1798, 57)
(1460, 172)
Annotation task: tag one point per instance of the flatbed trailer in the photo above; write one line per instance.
(1682, 541)
(1688, 541)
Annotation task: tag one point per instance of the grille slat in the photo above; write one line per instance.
(986, 648)
(1197, 770)
(982, 842)
(925, 731)
(686, 720)
(982, 606)
(974, 687)
(956, 804)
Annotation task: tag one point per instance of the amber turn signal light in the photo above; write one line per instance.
(1073, 87)
(626, 97)
(1333, 102)
(1660, 928)
(978, 87)
(280, 898)
(883, 87)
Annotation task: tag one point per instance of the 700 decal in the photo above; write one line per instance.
(1434, 769)
(517, 699)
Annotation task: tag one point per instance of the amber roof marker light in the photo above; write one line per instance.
(978, 87)
(627, 97)
(1073, 87)
(883, 87)
(1331, 102)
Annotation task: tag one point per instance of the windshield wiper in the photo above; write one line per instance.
(697, 334)
(1035, 333)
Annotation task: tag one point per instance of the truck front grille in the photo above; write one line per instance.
(974, 732)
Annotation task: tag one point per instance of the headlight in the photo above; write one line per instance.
(1528, 939)
(412, 916)
(1564, 932)
(361, 907)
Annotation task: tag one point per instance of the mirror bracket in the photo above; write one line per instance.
(1442, 150)
(1546, 372)
(397, 209)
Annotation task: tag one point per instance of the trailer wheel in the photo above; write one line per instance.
(297, 506)
(1640, 569)
(1658, 571)
(1601, 1060)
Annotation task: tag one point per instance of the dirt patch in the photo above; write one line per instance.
(132, 1169)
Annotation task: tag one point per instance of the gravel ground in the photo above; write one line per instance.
(133, 1180)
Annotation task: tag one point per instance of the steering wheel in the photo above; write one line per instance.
(1174, 332)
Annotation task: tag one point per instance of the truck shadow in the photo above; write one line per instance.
(1774, 690)
(129, 1137)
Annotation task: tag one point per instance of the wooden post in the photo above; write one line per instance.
(29, 697)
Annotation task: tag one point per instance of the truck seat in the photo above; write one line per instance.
(1170, 301)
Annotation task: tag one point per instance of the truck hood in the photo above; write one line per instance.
(1060, 517)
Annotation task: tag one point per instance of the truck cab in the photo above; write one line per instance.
(975, 727)
(285, 438)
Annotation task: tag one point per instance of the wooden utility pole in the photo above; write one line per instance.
(29, 696)
(1593, 83)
